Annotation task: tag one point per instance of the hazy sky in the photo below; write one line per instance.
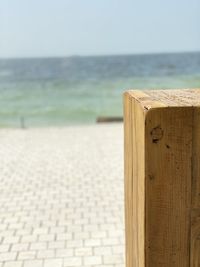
(33, 28)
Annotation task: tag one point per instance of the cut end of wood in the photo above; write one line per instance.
(150, 99)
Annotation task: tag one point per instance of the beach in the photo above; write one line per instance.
(61, 201)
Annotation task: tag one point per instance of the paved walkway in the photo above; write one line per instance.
(61, 197)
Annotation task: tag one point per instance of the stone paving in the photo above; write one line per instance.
(61, 197)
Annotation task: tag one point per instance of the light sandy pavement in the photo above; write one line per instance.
(61, 197)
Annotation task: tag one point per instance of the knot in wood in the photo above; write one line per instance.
(156, 134)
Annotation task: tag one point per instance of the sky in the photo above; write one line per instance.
(48, 28)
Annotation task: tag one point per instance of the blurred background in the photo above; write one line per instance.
(68, 62)
(64, 64)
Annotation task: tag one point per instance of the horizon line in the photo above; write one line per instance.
(99, 55)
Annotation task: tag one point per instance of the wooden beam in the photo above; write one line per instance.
(162, 178)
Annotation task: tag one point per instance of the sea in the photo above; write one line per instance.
(41, 92)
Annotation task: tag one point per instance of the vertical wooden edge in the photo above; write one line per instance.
(134, 115)
(139, 176)
(195, 212)
(127, 178)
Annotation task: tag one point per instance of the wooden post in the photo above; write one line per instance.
(162, 178)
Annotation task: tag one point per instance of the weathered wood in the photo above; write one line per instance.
(162, 178)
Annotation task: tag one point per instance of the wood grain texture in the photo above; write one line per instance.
(195, 213)
(131, 254)
(162, 178)
(195, 238)
(168, 150)
(134, 182)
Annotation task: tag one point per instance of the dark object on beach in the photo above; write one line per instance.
(109, 119)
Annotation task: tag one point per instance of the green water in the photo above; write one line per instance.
(59, 101)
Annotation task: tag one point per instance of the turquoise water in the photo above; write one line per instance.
(76, 90)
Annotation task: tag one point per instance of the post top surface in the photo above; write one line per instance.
(167, 98)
